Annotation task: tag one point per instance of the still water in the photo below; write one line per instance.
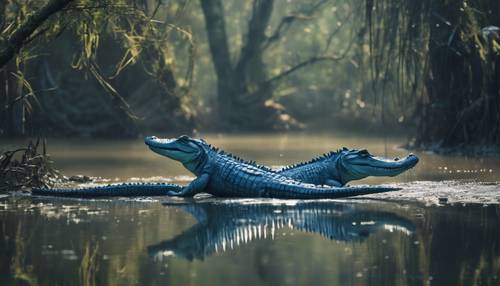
(208, 241)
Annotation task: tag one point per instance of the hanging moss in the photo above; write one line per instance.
(444, 57)
(89, 49)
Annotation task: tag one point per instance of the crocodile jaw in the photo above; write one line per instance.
(375, 166)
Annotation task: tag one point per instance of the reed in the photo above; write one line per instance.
(29, 166)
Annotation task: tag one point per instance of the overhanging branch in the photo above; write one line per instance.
(11, 44)
(303, 64)
(337, 30)
(307, 62)
(287, 21)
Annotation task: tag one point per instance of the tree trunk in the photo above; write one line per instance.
(241, 88)
(227, 87)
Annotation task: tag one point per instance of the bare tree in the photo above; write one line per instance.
(244, 88)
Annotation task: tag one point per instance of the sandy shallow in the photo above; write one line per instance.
(443, 192)
(427, 192)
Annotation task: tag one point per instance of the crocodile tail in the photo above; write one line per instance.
(115, 190)
(310, 191)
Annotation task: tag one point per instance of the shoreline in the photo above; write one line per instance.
(443, 192)
(429, 193)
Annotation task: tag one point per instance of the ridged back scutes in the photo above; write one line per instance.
(323, 157)
(239, 159)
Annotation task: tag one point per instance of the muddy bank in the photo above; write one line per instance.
(428, 192)
(444, 192)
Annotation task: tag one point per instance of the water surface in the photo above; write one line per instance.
(47, 241)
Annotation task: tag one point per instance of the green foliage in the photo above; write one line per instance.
(138, 38)
(320, 62)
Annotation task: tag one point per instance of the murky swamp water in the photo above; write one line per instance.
(208, 241)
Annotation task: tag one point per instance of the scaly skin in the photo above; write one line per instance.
(116, 190)
(225, 225)
(338, 168)
(332, 169)
(224, 175)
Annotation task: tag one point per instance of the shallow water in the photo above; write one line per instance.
(208, 241)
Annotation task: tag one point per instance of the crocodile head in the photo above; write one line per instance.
(358, 164)
(192, 153)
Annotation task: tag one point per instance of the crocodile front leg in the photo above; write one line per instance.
(198, 185)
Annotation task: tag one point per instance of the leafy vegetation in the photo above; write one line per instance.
(90, 44)
(179, 66)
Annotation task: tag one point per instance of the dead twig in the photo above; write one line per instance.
(27, 167)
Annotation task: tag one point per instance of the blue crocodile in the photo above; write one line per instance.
(345, 165)
(224, 175)
(226, 224)
(334, 169)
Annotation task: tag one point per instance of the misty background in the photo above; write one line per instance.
(426, 70)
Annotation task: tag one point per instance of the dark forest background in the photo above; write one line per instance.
(428, 69)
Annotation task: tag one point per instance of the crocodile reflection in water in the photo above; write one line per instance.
(226, 224)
